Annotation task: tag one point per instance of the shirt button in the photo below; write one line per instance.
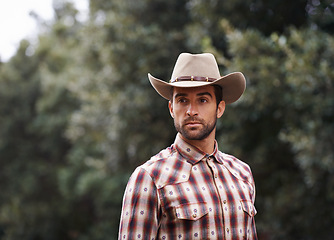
(227, 230)
(224, 201)
(216, 175)
(194, 215)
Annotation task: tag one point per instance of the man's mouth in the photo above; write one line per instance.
(193, 124)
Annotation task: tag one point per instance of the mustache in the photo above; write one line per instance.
(192, 119)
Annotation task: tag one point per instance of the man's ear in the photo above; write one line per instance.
(170, 106)
(221, 109)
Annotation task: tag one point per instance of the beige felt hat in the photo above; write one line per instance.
(196, 70)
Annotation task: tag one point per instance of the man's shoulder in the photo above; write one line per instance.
(236, 166)
(167, 167)
(233, 161)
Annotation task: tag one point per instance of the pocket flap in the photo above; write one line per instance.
(191, 211)
(248, 207)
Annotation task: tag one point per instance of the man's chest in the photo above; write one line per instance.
(211, 201)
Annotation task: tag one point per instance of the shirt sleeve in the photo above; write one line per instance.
(139, 217)
(253, 227)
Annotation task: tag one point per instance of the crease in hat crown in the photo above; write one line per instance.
(202, 65)
(195, 70)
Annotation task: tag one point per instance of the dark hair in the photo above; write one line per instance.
(218, 93)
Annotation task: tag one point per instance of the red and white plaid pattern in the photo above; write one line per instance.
(183, 193)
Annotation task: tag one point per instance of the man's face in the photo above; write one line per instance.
(195, 111)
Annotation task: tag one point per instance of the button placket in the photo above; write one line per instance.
(224, 202)
(212, 167)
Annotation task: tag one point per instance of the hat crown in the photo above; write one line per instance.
(203, 65)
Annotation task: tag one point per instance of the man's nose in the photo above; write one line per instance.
(192, 110)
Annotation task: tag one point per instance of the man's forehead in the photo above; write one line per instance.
(193, 90)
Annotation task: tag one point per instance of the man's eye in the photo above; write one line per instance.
(182, 100)
(203, 100)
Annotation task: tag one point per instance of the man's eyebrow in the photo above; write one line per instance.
(204, 93)
(180, 95)
(198, 94)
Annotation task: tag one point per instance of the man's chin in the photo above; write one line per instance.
(193, 132)
(193, 135)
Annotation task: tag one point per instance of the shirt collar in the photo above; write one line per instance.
(191, 153)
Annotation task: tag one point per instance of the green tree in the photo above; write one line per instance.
(34, 111)
(78, 114)
(121, 121)
(283, 128)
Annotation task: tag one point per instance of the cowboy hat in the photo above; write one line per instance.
(196, 70)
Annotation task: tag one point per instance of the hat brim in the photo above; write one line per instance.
(233, 85)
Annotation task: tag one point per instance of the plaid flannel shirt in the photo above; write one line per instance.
(183, 193)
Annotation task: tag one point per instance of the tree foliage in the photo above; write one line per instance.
(78, 114)
(286, 134)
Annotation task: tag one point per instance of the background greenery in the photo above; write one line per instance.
(77, 113)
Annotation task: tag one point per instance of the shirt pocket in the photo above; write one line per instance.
(248, 207)
(191, 211)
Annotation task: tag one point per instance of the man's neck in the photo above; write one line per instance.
(206, 145)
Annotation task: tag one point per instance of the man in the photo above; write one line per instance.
(191, 190)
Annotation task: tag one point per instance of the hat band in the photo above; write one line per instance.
(192, 78)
